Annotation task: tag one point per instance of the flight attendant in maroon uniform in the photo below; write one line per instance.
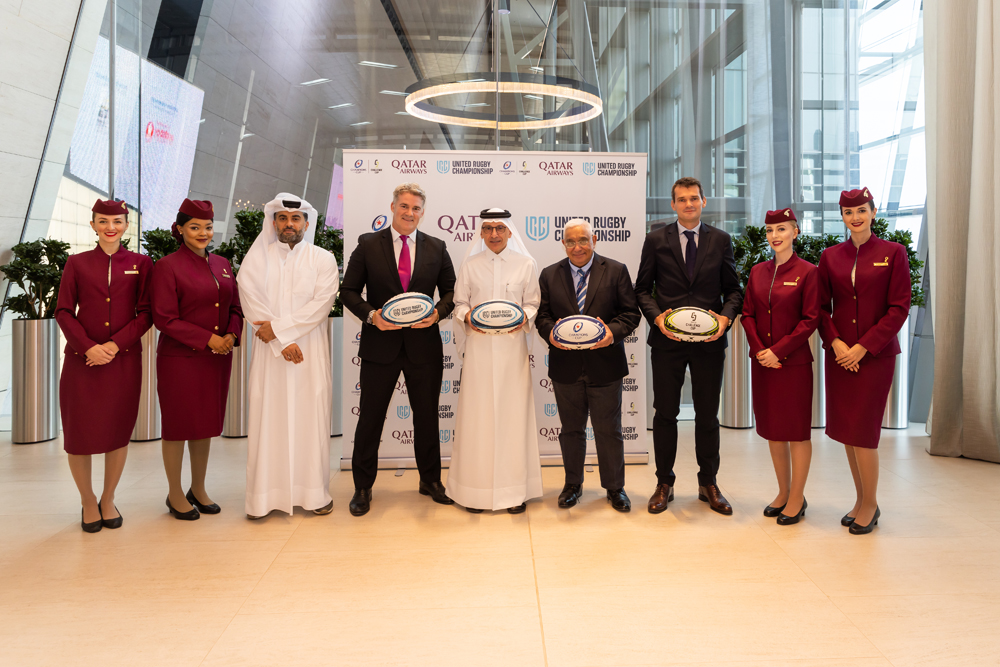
(780, 312)
(103, 310)
(197, 309)
(864, 286)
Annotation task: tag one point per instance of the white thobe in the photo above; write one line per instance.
(494, 460)
(288, 461)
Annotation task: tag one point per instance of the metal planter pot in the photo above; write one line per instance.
(897, 406)
(819, 381)
(147, 424)
(35, 381)
(736, 406)
(237, 422)
(337, 372)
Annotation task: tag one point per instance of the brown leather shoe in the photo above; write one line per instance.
(710, 494)
(663, 494)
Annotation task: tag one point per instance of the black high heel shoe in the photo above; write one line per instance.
(93, 526)
(771, 512)
(204, 509)
(110, 523)
(858, 529)
(183, 516)
(785, 520)
(846, 521)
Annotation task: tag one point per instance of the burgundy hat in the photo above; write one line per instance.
(110, 207)
(784, 215)
(852, 198)
(199, 209)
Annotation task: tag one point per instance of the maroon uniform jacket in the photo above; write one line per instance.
(92, 312)
(873, 309)
(188, 307)
(784, 322)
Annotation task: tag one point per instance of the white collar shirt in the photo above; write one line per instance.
(397, 246)
(680, 234)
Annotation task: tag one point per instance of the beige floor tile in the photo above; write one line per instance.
(770, 662)
(439, 637)
(416, 579)
(22, 533)
(930, 630)
(106, 633)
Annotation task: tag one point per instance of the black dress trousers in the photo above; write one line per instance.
(604, 404)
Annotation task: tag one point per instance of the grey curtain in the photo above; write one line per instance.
(962, 57)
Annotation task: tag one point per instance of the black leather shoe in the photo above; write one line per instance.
(570, 495)
(191, 515)
(858, 529)
(436, 491)
(619, 500)
(517, 510)
(110, 523)
(771, 512)
(473, 510)
(361, 502)
(204, 509)
(846, 521)
(785, 520)
(92, 527)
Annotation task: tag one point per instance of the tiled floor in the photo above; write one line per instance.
(414, 583)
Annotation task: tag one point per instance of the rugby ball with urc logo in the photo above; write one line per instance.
(407, 309)
(579, 332)
(691, 324)
(497, 316)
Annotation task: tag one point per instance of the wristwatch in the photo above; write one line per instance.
(371, 316)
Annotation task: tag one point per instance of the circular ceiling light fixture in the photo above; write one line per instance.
(418, 94)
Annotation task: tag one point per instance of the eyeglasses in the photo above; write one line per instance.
(583, 243)
(490, 229)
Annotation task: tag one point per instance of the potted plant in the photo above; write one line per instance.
(158, 243)
(332, 239)
(36, 270)
(736, 405)
(249, 222)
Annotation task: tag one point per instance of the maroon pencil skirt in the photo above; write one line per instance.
(855, 402)
(192, 393)
(99, 404)
(782, 401)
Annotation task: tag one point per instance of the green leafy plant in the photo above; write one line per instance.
(810, 248)
(158, 243)
(332, 240)
(36, 268)
(880, 228)
(750, 248)
(249, 222)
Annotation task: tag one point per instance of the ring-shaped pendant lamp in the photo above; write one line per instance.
(486, 82)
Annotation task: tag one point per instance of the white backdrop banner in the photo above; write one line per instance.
(542, 191)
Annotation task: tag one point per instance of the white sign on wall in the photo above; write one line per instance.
(542, 191)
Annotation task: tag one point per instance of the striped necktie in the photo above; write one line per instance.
(581, 289)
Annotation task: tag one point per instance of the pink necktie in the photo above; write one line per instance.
(404, 263)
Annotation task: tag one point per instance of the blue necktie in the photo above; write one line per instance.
(581, 289)
(690, 254)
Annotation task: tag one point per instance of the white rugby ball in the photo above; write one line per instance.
(407, 309)
(691, 324)
(579, 332)
(497, 316)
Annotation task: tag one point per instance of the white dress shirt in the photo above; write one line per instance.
(397, 247)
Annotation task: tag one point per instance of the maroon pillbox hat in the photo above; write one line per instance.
(110, 207)
(784, 215)
(198, 209)
(852, 198)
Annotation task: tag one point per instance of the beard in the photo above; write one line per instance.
(291, 236)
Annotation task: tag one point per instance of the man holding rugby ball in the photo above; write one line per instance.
(589, 381)
(688, 264)
(386, 263)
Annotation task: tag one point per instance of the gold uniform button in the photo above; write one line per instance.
(216, 328)
(106, 324)
(108, 300)
(216, 305)
(855, 321)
